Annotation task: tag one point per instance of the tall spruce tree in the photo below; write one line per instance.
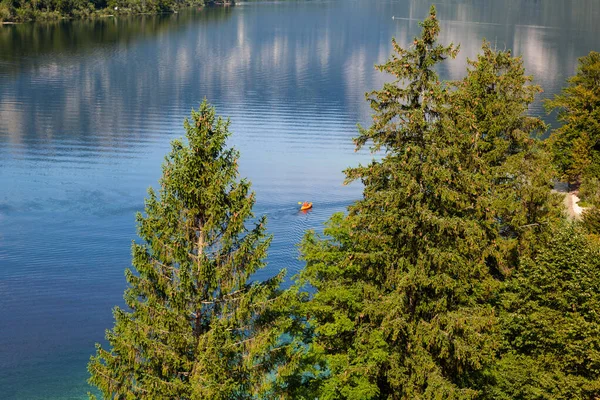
(495, 95)
(196, 327)
(402, 283)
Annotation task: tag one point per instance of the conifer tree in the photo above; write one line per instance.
(581, 155)
(578, 108)
(402, 283)
(496, 95)
(197, 326)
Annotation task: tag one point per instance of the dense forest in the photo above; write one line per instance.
(457, 275)
(31, 10)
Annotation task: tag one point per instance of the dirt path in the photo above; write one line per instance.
(573, 209)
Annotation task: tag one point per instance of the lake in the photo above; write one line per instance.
(88, 109)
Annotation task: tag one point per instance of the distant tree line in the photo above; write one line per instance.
(29, 10)
(455, 276)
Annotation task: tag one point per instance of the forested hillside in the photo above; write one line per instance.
(28, 10)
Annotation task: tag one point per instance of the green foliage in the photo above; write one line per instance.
(28, 10)
(494, 99)
(197, 326)
(6, 11)
(590, 191)
(576, 144)
(402, 283)
(591, 220)
(582, 157)
(550, 323)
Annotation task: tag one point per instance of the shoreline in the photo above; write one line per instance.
(89, 17)
(574, 211)
(106, 13)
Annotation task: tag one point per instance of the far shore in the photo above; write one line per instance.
(50, 17)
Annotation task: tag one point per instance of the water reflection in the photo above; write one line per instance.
(108, 74)
(22, 42)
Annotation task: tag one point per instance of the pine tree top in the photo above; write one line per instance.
(196, 325)
(403, 109)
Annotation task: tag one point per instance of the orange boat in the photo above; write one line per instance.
(306, 206)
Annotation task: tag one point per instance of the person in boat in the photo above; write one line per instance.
(306, 204)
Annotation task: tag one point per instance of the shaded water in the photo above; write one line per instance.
(88, 108)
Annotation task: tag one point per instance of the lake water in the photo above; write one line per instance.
(88, 108)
